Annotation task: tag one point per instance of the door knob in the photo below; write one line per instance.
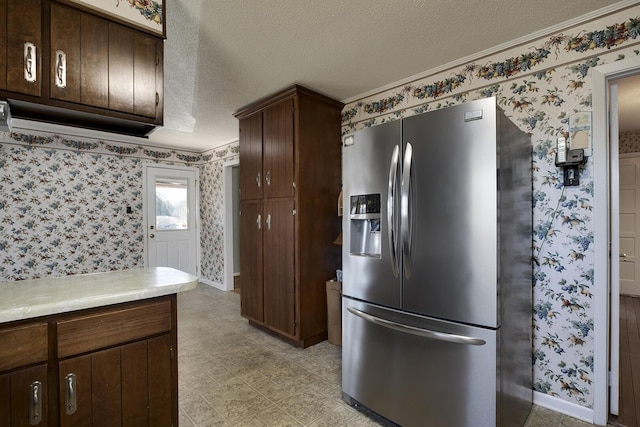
(623, 257)
(151, 236)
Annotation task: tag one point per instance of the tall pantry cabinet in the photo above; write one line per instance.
(290, 155)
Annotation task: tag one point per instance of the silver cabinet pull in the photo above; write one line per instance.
(426, 333)
(259, 221)
(70, 402)
(30, 62)
(259, 179)
(269, 222)
(61, 69)
(35, 408)
(268, 178)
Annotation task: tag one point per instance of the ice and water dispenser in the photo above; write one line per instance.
(364, 216)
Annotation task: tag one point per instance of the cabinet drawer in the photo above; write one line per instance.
(112, 327)
(23, 345)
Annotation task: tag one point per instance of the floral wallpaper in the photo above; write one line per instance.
(63, 205)
(629, 142)
(539, 85)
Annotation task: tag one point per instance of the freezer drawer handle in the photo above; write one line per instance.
(426, 333)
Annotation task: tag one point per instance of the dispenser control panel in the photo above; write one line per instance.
(365, 204)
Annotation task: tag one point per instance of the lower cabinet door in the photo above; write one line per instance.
(128, 385)
(25, 403)
(279, 267)
(252, 224)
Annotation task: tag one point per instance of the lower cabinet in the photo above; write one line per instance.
(24, 397)
(111, 366)
(123, 386)
(23, 374)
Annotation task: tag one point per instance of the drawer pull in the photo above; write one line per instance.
(35, 408)
(70, 402)
(30, 62)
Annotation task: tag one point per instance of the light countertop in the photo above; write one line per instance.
(25, 299)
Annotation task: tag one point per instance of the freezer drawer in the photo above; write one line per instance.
(417, 378)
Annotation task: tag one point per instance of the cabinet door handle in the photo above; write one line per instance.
(269, 222)
(35, 408)
(30, 62)
(70, 402)
(268, 178)
(61, 69)
(259, 221)
(259, 179)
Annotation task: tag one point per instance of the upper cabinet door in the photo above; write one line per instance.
(3, 45)
(251, 176)
(278, 157)
(121, 47)
(24, 46)
(146, 60)
(65, 53)
(94, 63)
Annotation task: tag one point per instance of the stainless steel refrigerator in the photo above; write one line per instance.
(437, 275)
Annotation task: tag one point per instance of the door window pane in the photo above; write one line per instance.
(171, 204)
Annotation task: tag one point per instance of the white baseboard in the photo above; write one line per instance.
(212, 284)
(562, 406)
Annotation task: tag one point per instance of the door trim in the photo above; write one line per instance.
(145, 218)
(228, 223)
(603, 317)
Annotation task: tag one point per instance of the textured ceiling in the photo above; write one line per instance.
(223, 54)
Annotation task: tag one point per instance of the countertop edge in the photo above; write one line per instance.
(29, 299)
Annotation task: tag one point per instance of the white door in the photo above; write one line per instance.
(629, 225)
(171, 217)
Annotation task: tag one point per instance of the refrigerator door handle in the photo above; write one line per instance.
(426, 333)
(405, 218)
(391, 209)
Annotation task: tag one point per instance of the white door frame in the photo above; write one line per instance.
(605, 292)
(145, 218)
(228, 222)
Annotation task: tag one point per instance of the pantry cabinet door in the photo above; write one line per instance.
(251, 252)
(279, 266)
(251, 176)
(278, 149)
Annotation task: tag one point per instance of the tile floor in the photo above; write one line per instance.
(231, 374)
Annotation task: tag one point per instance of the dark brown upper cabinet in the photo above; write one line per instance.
(22, 46)
(85, 68)
(103, 64)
